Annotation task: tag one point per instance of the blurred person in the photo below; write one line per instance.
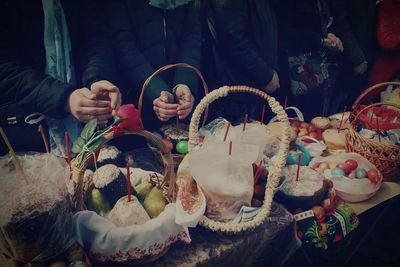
(354, 24)
(306, 37)
(246, 51)
(387, 63)
(148, 35)
(54, 60)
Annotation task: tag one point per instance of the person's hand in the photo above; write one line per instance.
(84, 106)
(104, 90)
(361, 69)
(273, 85)
(164, 106)
(185, 100)
(333, 43)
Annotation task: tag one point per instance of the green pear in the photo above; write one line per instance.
(98, 203)
(143, 190)
(155, 202)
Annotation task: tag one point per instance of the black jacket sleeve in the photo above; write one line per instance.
(23, 85)
(134, 64)
(189, 49)
(96, 55)
(231, 19)
(352, 49)
(296, 35)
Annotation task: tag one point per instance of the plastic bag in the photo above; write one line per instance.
(316, 148)
(254, 134)
(352, 190)
(299, 115)
(226, 180)
(36, 213)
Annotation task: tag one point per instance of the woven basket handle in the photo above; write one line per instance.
(373, 105)
(275, 169)
(167, 67)
(166, 158)
(372, 90)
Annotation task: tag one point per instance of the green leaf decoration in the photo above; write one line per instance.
(93, 146)
(77, 146)
(117, 120)
(89, 129)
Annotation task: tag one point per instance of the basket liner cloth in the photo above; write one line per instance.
(107, 242)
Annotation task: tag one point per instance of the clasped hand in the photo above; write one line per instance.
(165, 106)
(101, 102)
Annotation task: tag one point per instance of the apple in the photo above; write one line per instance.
(304, 125)
(373, 176)
(313, 135)
(311, 128)
(296, 129)
(302, 132)
(295, 123)
(352, 164)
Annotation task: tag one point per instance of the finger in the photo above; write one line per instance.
(103, 117)
(184, 113)
(95, 111)
(163, 118)
(85, 118)
(164, 105)
(185, 105)
(169, 112)
(114, 97)
(95, 103)
(87, 93)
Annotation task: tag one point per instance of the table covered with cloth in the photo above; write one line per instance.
(272, 243)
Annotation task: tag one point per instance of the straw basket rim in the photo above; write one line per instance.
(385, 157)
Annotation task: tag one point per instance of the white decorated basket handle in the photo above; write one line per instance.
(275, 170)
(310, 138)
(299, 115)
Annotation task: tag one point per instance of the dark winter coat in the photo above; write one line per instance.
(354, 24)
(24, 88)
(147, 38)
(245, 33)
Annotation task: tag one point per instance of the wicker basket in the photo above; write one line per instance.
(385, 157)
(177, 158)
(82, 190)
(275, 171)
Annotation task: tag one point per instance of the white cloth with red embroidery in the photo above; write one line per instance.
(107, 242)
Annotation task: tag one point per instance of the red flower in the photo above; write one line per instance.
(132, 121)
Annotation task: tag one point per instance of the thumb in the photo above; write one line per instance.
(87, 93)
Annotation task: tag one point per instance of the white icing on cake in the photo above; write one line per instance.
(309, 181)
(43, 187)
(127, 213)
(108, 152)
(105, 175)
